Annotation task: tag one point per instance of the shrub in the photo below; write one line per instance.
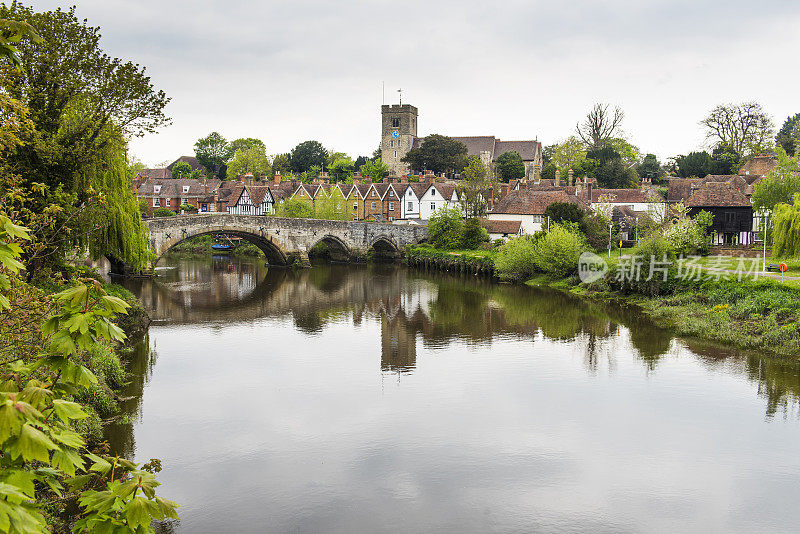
(473, 234)
(557, 251)
(444, 228)
(560, 212)
(188, 207)
(685, 237)
(515, 258)
(296, 209)
(650, 270)
(595, 228)
(163, 212)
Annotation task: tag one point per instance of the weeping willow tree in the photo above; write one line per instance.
(786, 219)
(118, 231)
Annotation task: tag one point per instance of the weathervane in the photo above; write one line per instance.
(401, 96)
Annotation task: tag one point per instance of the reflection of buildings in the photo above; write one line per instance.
(398, 345)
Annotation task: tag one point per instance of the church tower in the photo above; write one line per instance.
(398, 130)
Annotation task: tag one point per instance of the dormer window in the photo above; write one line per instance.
(156, 189)
(185, 188)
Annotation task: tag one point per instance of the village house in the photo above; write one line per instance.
(172, 194)
(250, 200)
(732, 211)
(502, 229)
(527, 206)
(643, 201)
(435, 197)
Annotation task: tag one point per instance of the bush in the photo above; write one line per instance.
(445, 228)
(645, 270)
(686, 237)
(473, 234)
(296, 209)
(188, 207)
(163, 212)
(557, 251)
(595, 228)
(515, 259)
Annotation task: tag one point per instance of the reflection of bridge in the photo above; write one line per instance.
(283, 240)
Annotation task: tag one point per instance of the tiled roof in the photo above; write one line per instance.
(526, 149)
(501, 227)
(758, 166)
(155, 174)
(257, 193)
(717, 194)
(528, 202)
(191, 160)
(680, 189)
(174, 188)
(627, 196)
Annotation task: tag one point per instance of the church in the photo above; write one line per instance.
(399, 135)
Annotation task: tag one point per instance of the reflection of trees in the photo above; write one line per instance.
(139, 366)
(778, 381)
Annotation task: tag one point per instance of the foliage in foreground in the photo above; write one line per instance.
(40, 450)
(787, 229)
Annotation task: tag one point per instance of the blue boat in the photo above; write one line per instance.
(220, 247)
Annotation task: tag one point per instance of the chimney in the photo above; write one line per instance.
(557, 182)
(570, 175)
(589, 192)
(277, 178)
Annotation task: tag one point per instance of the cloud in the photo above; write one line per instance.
(290, 71)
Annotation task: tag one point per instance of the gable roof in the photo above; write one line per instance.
(717, 194)
(527, 150)
(174, 188)
(627, 196)
(191, 160)
(758, 165)
(531, 202)
(258, 193)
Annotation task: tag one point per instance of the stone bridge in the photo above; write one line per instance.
(285, 240)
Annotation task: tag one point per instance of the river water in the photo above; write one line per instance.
(377, 399)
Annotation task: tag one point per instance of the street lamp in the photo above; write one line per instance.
(610, 228)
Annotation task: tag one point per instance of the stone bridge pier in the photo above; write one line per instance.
(285, 240)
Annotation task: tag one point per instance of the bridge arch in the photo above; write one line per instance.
(273, 249)
(335, 249)
(383, 246)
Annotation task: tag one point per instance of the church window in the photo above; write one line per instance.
(395, 122)
(391, 144)
(395, 153)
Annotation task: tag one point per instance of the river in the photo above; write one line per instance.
(378, 399)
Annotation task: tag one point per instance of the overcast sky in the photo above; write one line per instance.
(286, 72)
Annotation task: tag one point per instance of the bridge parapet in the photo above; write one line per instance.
(283, 239)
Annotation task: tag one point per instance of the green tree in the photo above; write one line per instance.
(788, 136)
(474, 188)
(295, 208)
(746, 128)
(375, 170)
(11, 33)
(651, 169)
(472, 234)
(628, 152)
(510, 166)
(780, 185)
(341, 169)
(360, 160)
(445, 228)
(82, 104)
(439, 154)
(306, 155)
(280, 164)
(693, 164)
(564, 212)
(609, 169)
(548, 151)
(249, 160)
(569, 154)
(786, 240)
(244, 143)
(212, 151)
(181, 170)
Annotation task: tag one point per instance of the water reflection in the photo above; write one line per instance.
(379, 399)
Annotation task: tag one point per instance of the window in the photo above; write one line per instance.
(409, 193)
(433, 205)
(203, 207)
(391, 206)
(391, 144)
(184, 201)
(395, 122)
(373, 205)
(168, 202)
(156, 189)
(410, 206)
(373, 194)
(395, 153)
(156, 202)
(355, 205)
(301, 193)
(185, 188)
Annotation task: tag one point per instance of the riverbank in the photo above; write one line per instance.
(752, 315)
(202, 245)
(477, 262)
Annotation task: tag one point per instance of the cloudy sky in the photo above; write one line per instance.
(286, 72)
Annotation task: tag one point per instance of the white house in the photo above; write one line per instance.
(411, 199)
(437, 196)
(252, 200)
(639, 200)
